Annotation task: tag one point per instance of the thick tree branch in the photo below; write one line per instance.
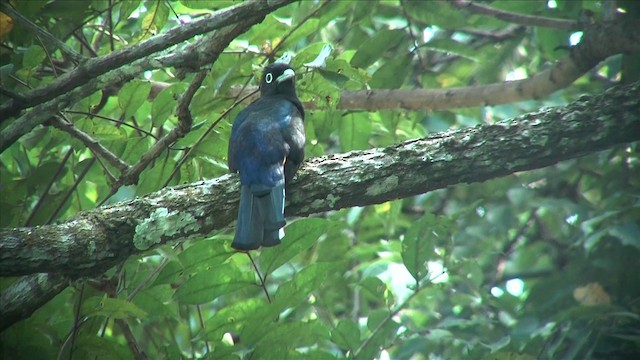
(63, 91)
(598, 42)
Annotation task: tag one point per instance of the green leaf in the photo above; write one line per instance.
(294, 291)
(120, 309)
(347, 335)
(418, 246)
(233, 318)
(391, 75)
(373, 48)
(33, 56)
(132, 95)
(163, 106)
(155, 18)
(207, 285)
(299, 236)
(291, 335)
(438, 13)
(355, 132)
(383, 331)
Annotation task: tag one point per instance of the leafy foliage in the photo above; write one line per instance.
(540, 264)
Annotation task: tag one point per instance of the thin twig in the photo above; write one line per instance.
(76, 320)
(263, 280)
(90, 143)
(91, 114)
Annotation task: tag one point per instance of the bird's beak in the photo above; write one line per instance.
(286, 75)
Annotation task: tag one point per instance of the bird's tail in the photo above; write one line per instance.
(260, 217)
(272, 208)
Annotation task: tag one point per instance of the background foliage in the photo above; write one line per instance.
(540, 264)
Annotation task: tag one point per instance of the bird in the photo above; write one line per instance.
(266, 148)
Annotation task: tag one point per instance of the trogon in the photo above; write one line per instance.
(266, 147)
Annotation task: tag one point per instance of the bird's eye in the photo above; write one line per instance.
(268, 78)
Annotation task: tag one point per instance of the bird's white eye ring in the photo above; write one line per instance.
(268, 78)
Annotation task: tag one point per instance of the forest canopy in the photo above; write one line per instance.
(471, 186)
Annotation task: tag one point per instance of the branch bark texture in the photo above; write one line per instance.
(95, 240)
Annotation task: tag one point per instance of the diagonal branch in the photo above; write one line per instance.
(598, 43)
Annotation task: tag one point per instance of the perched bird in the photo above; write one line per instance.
(266, 147)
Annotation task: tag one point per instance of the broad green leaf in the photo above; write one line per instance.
(127, 8)
(132, 95)
(438, 13)
(155, 18)
(233, 318)
(163, 106)
(383, 329)
(294, 291)
(355, 132)
(347, 335)
(207, 285)
(119, 309)
(290, 335)
(418, 247)
(299, 236)
(373, 48)
(33, 56)
(392, 74)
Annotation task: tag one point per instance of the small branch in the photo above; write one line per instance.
(599, 42)
(516, 18)
(49, 39)
(13, 95)
(121, 123)
(90, 143)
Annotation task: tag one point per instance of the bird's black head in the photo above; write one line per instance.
(278, 79)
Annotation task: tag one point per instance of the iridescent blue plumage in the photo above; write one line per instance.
(266, 147)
